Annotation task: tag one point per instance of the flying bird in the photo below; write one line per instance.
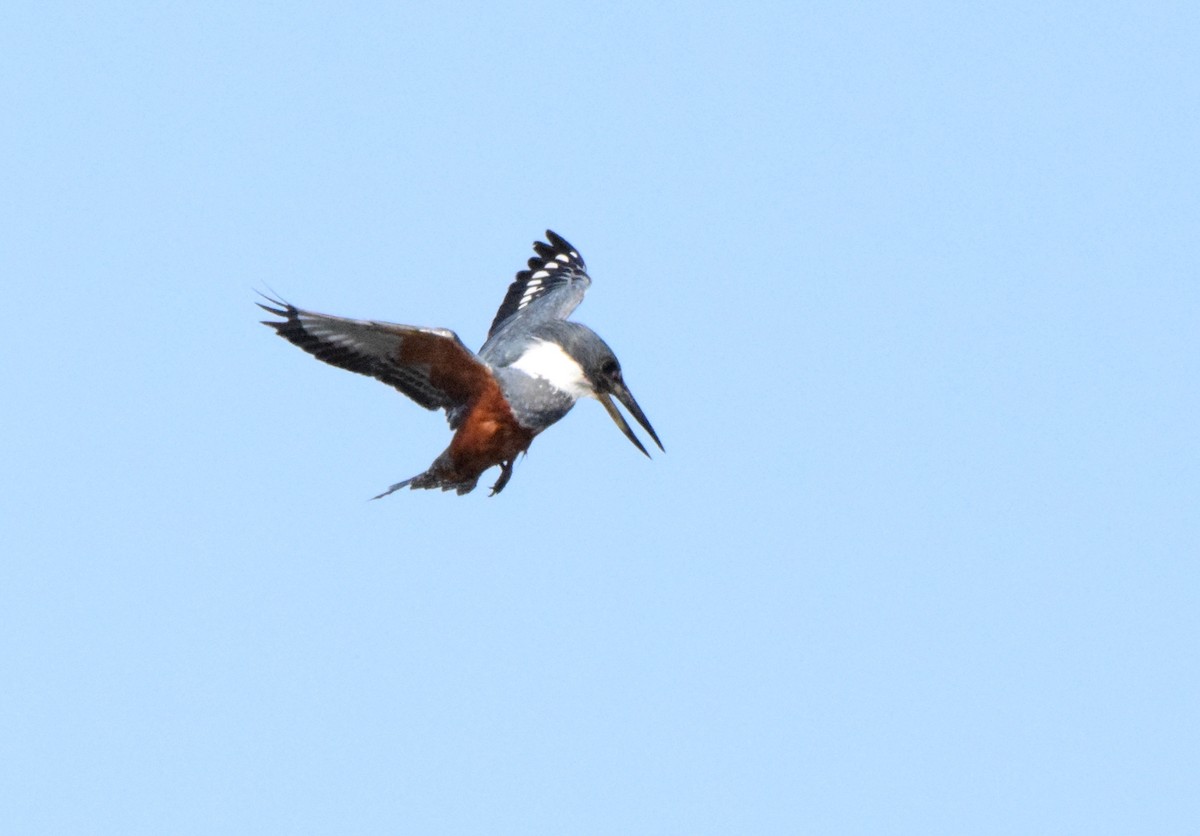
(533, 367)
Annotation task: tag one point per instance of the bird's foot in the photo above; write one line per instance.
(506, 472)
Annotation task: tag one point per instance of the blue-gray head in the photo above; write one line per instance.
(573, 359)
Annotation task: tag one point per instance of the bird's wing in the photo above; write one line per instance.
(553, 286)
(429, 365)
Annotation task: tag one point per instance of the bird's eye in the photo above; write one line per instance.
(611, 368)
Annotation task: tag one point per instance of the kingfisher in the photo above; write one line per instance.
(533, 367)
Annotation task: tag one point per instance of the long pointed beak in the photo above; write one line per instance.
(626, 398)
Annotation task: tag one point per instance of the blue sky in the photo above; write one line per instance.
(910, 293)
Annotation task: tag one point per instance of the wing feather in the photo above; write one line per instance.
(553, 286)
(430, 365)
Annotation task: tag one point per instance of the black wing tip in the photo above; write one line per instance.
(557, 244)
(558, 241)
(551, 256)
(272, 311)
(549, 253)
(277, 307)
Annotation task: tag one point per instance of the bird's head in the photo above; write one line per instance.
(574, 360)
(602, 371)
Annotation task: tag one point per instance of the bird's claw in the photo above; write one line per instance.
(506, 472)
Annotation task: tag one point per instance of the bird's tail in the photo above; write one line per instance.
(395, 488)
(441, 474)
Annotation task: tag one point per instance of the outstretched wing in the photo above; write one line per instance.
(429, 365)
(553, 286)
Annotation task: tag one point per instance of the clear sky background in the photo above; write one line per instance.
(910, 292)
